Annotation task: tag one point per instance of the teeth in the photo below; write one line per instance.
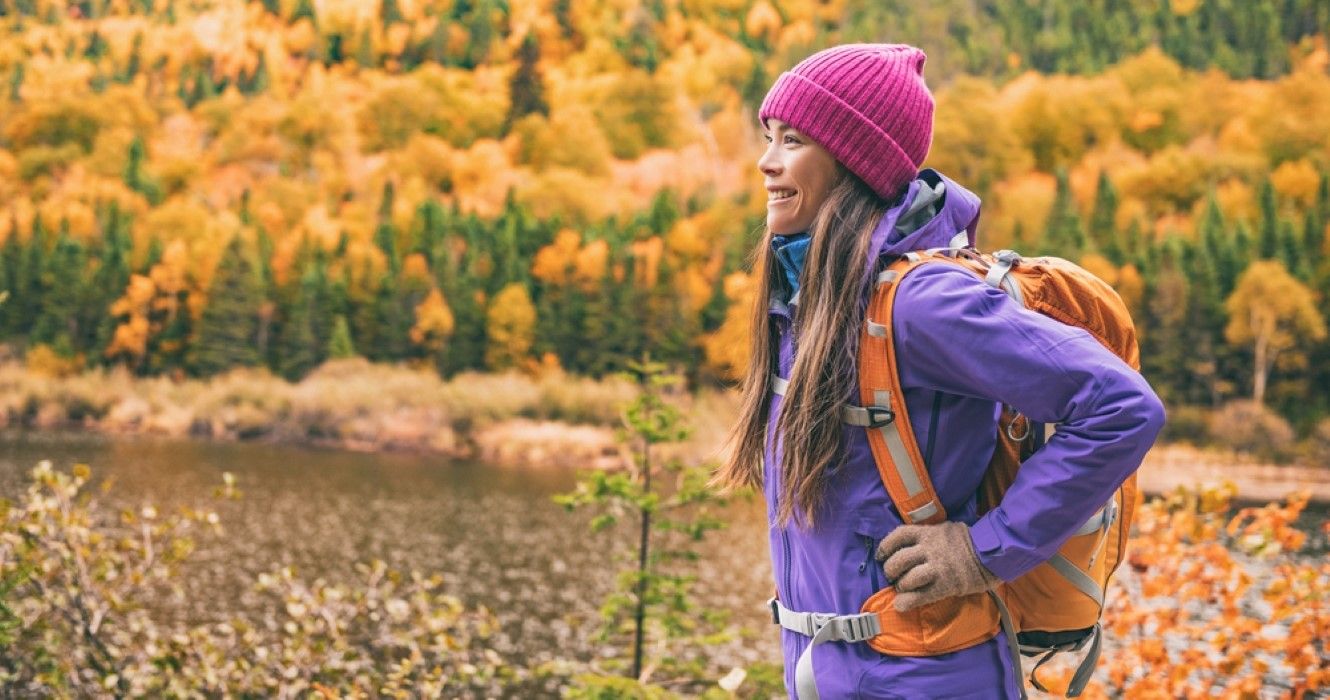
(775, 195)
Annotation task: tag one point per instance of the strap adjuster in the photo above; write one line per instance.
(879, 416)
(775, 609)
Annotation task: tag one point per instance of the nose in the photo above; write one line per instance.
(769, 163)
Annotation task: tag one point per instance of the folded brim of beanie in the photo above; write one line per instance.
(849, 136)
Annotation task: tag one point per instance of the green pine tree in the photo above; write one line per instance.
(229, 324)
(1103, 229)
(63, 272)
(136, 178)
(526, 89)
(300, 350)
(1269, 242)
(340, 346)
(1063, 234)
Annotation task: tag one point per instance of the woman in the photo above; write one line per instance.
(847, 130)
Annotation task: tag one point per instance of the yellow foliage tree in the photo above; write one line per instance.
(727, 348)
(511, 325)
(434, 323)
(1272, 311)
(553, 263)
(130, 339)
(1297, 180)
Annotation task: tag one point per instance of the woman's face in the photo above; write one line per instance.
(799, 174)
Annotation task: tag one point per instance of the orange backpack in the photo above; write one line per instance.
(1056, 606)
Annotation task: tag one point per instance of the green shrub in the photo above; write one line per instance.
(1190, 424)
(1247, 426)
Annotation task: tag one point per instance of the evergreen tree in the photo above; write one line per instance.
(1295, 259)
(136, 178)
(16, 82)
(31, 280)
(390, 12)
(1216, 247)
(12, 257)
(340, 346)
(304, 9)
(110, 277)
(385, 233)
(229, 323)
(1244, 250)
(1064, 235)
(1103, 229)
(1313, 238)
(526, 88)
(392, 320)
(365, 57)
(62, 283)
(1269, 242)
(300, 350)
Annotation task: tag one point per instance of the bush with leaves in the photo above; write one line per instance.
(83, 579)
(652, 606)
(1250, 427)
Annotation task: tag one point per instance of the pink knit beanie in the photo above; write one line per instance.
(866, 104)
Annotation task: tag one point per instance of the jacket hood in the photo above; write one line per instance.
(932, 213)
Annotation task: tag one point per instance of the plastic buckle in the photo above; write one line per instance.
(861, 627)
(879, 416)
(775, 609)
(816, 621)
(1007, 256)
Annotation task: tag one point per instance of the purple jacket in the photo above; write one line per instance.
(975, 348)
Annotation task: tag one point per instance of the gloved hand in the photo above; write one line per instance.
(932, 562)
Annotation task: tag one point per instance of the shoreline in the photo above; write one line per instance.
(545, 444)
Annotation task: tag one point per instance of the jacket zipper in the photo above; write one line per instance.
(932, 428)
(870, 563)
(785, 541)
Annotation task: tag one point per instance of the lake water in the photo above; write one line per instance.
(492, 532)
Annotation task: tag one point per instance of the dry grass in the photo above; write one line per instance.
(347, 403)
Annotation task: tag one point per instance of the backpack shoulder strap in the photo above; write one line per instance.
(891, 438)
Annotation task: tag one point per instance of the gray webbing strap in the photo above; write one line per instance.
(1078, 578)
(1095, 522)
(1081, 678)
(822, 627)
(863, 417)
(960, 240)
(887, 276)
(900, 457)
(997, 273)
(877, 330)
(1013, 646)
(1084, 670)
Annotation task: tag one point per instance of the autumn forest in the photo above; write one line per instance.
(188, 187)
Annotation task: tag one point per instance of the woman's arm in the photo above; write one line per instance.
(954, 333)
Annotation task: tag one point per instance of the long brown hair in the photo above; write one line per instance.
(826, 326)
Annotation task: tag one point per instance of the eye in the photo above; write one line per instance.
(791, 139)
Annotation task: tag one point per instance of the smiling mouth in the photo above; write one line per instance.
(780, 196)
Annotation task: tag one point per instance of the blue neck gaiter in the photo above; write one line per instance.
(790, 253)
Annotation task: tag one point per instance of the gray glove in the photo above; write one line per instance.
(932, 562)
